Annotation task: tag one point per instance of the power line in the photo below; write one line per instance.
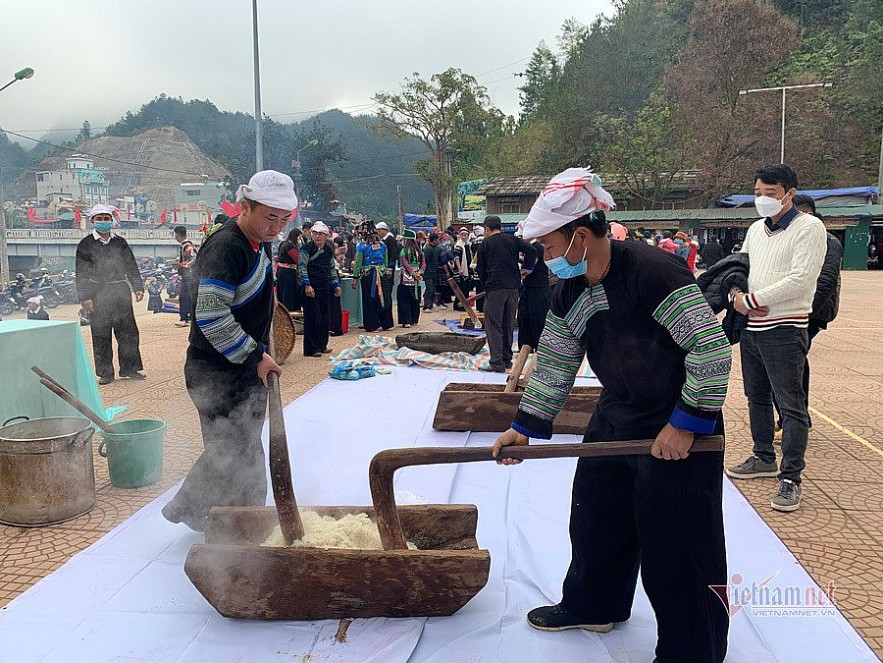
(497, 80)
(74, 150)
(511, 64)
(372, 177)
(306, 112)
(322, 110)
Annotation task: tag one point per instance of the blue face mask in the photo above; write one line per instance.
(103, 226)
(562, 268)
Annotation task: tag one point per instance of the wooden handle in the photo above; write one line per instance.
(517, 367)
(280, 465)
(461, 297)
(523, 382)
(384, 465)
(55, 387)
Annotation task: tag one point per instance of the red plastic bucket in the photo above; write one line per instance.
(344, 321)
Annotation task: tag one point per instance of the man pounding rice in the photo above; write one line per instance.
(227, 362)
(663, 360)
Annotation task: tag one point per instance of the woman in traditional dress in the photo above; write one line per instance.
(370, 270)
(413, 264)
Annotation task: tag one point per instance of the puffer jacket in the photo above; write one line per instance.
(826, 301)
(716, 283)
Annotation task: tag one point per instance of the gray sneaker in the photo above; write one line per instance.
(787, 498)
(753, 468)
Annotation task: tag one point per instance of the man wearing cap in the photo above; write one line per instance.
(107, 274)
(227, 362)
(317, 271)
(659, 513)
(498, 267)
(392, 259)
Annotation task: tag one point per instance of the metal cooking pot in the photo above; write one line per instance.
(46, 470)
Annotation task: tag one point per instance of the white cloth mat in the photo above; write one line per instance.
(126, 598)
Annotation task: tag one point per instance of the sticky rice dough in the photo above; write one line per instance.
(352, 531)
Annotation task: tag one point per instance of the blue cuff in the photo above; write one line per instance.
(686, 421)
(524, 431)
(336, 284)
(305, 283)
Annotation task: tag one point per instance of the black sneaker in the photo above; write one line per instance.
(787, 498)
(556, 618)
(105, 379)
(753, 468)
(134, 375)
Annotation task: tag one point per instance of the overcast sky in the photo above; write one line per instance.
(97, 59)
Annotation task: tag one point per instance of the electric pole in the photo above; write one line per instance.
(258, 133)
(4, 251)
(401, 209)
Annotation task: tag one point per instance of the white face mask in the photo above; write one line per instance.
(767, 205)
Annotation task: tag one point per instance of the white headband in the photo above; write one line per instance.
(270, 188)
(568, 196)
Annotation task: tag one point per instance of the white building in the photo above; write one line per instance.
(80, 181)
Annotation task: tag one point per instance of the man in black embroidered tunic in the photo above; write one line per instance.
(663, 360)
(317, 271)
(227, 362)
(107, 274)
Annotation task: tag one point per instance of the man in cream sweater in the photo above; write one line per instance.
(786, 249)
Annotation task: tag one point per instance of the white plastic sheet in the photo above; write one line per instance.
(126, 598)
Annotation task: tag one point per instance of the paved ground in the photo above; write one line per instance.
(837, 534)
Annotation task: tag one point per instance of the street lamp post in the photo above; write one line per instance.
(258, 133)
(296, 167)
(20, 75)
(783, 88)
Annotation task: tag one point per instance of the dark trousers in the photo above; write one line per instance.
(811, 332)
(317, 320)
(388, 282)
(499, 324)
(479, 288)
(374, 313)
(429, 292)
(464, 284)
(288, 288)
(112, 315)
(231, 402)
(185, 301)
(773, 362)
(335, 317)
(532, 309)
(409, 304)
(664, 517)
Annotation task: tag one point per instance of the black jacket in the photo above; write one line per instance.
(716, 283)
(826, 301)
(712, 253)
(498, 266)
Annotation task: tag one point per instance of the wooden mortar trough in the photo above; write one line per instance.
(491, 408)
(244, 580)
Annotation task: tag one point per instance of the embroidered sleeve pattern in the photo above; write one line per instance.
(688, 318)
(216, 299)
(559, 356)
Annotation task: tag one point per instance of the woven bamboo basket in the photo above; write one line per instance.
(284, 333)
